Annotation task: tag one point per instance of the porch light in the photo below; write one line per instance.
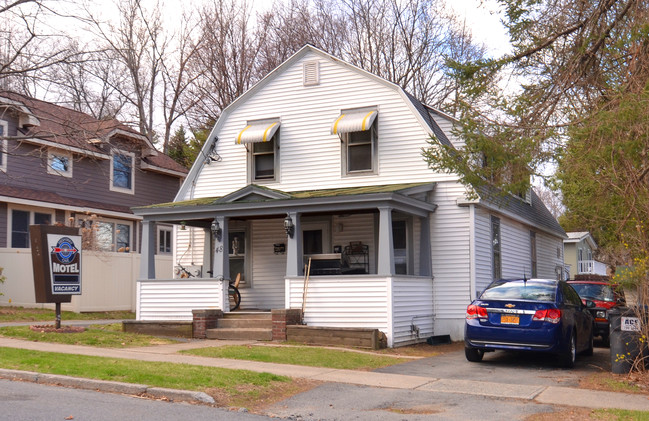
(288, 226)
(216, 229)
(183, 225)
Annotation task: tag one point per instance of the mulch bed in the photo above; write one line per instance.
(52, 328)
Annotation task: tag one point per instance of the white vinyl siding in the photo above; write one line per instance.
(306, 115)
(546, 252)
(188, 250)
(482, 250)
(450, 237)
(412, 297)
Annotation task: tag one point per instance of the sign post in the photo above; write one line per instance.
(56, 261)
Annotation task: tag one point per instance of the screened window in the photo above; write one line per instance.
(495, 248)
(359, 151)
(122, 171)
(264, 159)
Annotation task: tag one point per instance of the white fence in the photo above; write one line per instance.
(591, 267)
(108, 280)
(174, 299)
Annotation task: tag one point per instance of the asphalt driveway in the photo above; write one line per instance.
(507, 367)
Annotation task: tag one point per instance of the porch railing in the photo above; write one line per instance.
(174, 299)
(591, 267)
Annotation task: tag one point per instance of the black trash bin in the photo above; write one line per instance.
(625, 339)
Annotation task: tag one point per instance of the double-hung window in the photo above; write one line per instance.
(122, 171)
(358, 134)
(59, 162)
(261, 138)
(164, 240)
(107, 235)
(3, 145)
(20, 222)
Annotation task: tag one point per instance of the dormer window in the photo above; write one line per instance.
(261, 138)
(358, 134)
(122, 172)
(59, 162)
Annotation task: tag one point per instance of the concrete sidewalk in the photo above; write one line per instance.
(169, 353)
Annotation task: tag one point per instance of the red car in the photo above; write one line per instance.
(605, 296)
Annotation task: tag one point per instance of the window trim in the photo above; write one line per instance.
(250, 148)
(32, 212)
(344, 139)
(51, 153)
(80, 221)
(3, 146)
(112, 185)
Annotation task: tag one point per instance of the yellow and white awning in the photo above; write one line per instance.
(354, 121)
(257, 132)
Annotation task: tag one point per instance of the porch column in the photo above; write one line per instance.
(221, 255)
(425, 263)
(294, 260)
(385, 264)
(147, 252)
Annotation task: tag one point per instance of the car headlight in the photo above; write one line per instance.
(600, 314)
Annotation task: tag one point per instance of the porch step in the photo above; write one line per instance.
(243, 325)
(243, 334)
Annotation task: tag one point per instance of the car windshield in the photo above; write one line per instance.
(595, 292)
(520, 290)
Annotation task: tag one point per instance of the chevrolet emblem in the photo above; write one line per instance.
(510, 305)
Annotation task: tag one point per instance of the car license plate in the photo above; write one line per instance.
(507, 319)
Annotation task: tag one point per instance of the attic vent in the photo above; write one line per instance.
(311, 73)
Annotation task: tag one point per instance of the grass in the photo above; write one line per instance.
(230, 386)
(20, 314)
(106, 336)
(299, 355)
(622, 415)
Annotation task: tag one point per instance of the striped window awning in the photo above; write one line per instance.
(257, 132)
(354, 121)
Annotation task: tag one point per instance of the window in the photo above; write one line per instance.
(59, 162)
(3, 146)
(495, 248)
(357, 131)
(20, 222)
(264, 157)
(108, 235)
(533, 253)
(122, 172)
(164, 240)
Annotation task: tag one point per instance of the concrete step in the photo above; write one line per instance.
(263, 315)
(252, 334)
(233, 323)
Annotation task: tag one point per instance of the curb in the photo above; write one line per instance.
(172, 395)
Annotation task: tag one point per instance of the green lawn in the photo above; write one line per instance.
(300, 355)
(242, 384)
(21, 314)
(622, 415)
(106, 336)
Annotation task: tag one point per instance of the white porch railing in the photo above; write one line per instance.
(591, 267)
(174, 299)
(370, 301)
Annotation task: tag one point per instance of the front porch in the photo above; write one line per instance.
(387, 285)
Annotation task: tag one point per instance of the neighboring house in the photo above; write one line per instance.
(60, 166)
(321, 159)
(579, 249)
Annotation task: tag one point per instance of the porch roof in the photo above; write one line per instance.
(254, 200)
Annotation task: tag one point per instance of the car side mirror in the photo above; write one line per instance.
(590, 304)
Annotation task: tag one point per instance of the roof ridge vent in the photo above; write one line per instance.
(311, 73)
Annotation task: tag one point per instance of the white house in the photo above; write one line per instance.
(321, 159)
(579, 249)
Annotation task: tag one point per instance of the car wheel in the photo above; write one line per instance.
(473, 354)
(567, 359)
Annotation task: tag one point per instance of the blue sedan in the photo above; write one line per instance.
(529, 315)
